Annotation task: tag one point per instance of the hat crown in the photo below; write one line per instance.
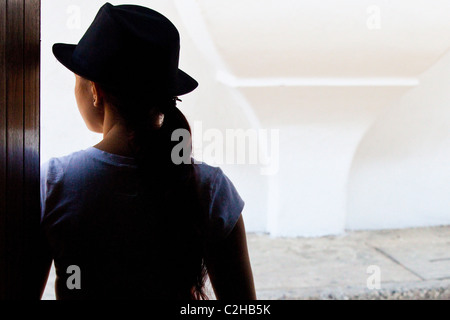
(126, 47)
(129, 45)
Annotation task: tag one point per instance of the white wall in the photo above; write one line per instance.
(400, 175)
(320, 130)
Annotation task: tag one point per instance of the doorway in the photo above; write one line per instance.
(19, 147)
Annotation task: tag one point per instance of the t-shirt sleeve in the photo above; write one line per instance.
(226, 205)
(51, 173)
(43, 187)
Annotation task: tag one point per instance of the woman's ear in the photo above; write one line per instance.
(97, 94)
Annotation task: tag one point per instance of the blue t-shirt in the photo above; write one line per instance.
(72, 185)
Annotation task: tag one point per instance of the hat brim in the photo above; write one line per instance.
(63, 52)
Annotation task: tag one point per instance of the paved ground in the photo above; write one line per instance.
(410, 263)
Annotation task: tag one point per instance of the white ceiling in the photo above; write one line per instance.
(327, 38)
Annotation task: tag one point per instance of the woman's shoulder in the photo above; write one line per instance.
(55, 165)
(59, 164)
(206, 172)
(75, 164)
(216, 179)
(225, 202)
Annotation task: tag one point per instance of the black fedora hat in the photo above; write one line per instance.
(129, 46)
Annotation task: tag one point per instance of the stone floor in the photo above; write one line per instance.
(388, 264)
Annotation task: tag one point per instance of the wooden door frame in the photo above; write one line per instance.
(19, 147)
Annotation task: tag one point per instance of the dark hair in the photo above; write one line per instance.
(168, 191)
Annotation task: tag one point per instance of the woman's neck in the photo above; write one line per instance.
(116, 142)
(116, 137)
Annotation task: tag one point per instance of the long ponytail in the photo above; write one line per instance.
(180, 220)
